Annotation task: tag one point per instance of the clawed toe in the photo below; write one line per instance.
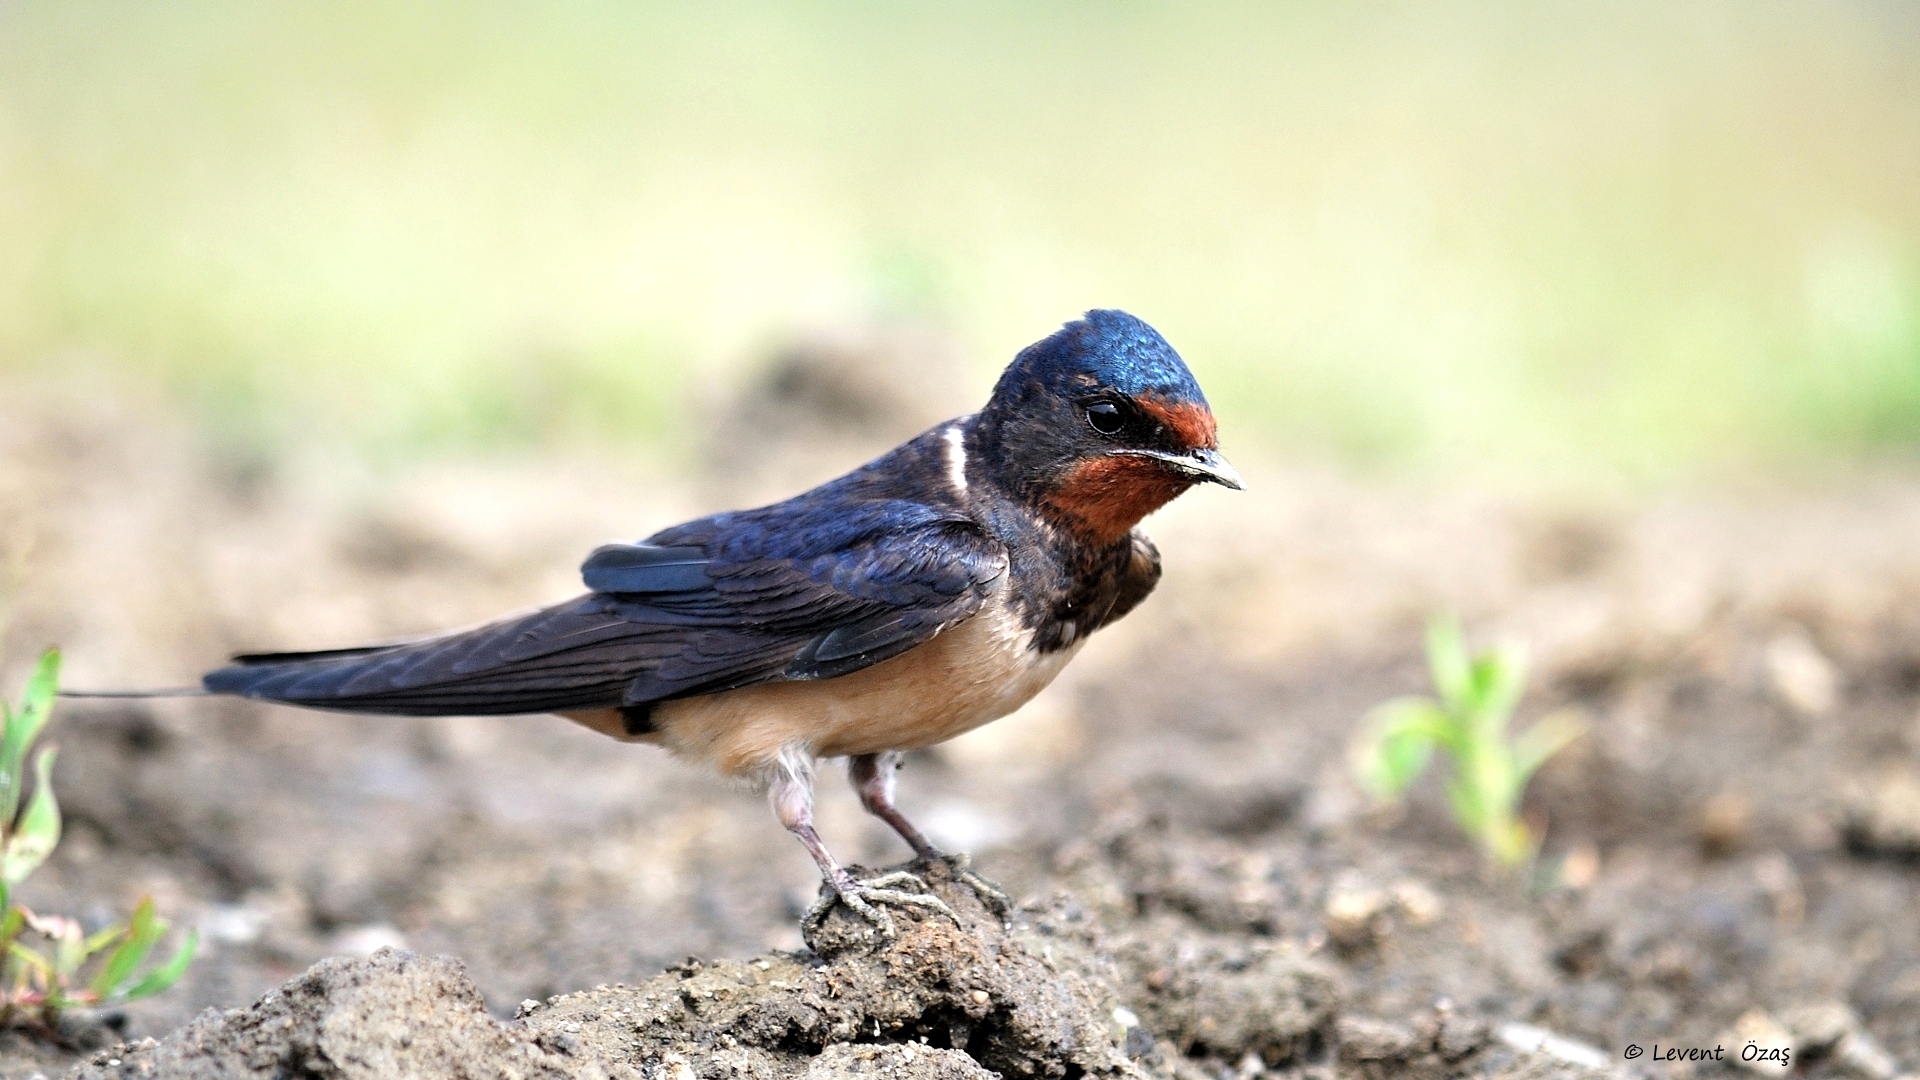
(864, 898)
(960, 866)
(889, 881)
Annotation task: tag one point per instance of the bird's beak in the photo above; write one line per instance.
(1214, 469)
(1205, 465)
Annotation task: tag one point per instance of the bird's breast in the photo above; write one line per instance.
(970, 674)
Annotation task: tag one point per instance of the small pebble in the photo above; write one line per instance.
(1539, 1040)
(1354, 916)
(1420, 904)
(1883, 817)
(1760, 1044)
(1832, 1031)
(1724, 822)
(1817, 1029)
(1580, 867)
(1801, 676)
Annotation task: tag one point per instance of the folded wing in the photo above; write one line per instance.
(782, 593)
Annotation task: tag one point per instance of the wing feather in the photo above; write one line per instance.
(789, 592)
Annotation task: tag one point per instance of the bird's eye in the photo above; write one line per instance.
(1105, 418)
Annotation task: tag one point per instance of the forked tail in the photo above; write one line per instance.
(562, 658)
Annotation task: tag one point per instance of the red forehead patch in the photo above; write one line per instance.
(1190, 422)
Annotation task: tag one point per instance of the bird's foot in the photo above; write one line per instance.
(960, 867)
(864, 898)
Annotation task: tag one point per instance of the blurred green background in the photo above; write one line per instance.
(1620, 239)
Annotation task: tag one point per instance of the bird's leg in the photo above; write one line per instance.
(872, 776)
(791, 793)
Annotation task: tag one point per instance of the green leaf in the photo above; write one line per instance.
(1448, 663)
(1400, 758)
(1467, 812)
(22, 727)
(142, 931)
(31, 958)
(1547, 737)
(39, 828)
(1478, 693)
(164, 976)
(1489, 769)
(1400, 744)
(100, 939)
(1500, 677)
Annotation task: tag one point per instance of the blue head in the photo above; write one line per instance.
(1109, 350)
(1102, 423)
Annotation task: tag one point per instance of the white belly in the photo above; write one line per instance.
(971, 674)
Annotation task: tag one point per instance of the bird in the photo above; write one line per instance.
(932, 590)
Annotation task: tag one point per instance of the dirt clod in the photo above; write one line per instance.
(1883, 818)
(396, 1014)
(1437, 1044)
(1356, 917)
(1725, 822)
(1053, 995)
(1759, 1043)
(941, 1000)
(1832, 1032)
(1227, 1001)
(1800, 675)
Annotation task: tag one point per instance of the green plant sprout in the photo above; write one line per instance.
(37, 985)
(1469, 723)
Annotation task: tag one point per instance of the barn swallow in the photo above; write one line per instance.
(924, 594)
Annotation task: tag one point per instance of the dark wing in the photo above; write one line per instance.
(646, 569)
(802, 593)
(789, 592)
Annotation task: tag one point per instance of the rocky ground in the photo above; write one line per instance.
(1730, 853)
